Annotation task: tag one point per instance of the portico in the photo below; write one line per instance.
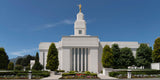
(79, 59)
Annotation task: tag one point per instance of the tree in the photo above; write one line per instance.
(25, 61)
(116, 55)
(3, 59)
(156, 50)
(10, 66)
(19, 61)
(107, 57)
(37, 65)
(143, 55)
(126, 57)
(52, 58)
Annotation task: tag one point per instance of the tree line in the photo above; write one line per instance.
(52, 61)
(115, 57)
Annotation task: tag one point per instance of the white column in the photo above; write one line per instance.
(78, 59)
(74, 59)
(81, 59)
(85, 59)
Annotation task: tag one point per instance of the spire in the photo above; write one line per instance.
(80, 24)
(80, 14)
(80, 7)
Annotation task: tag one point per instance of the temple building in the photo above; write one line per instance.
(80, 52)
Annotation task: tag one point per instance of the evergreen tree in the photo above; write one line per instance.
(126, 57)
(37, 65)
(52, 58)
(143, 55)
(116, 55)
(10, 66)
(25, 61)
(156, 50)
(3, 59)
(107, 57)
(19, 61)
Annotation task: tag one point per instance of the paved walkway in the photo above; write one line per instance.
(52, 76)
(101, 76)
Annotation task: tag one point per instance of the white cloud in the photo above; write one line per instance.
(66, 21)
(24, 52)
(57, 24)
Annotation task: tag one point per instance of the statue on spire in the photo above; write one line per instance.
(80, 7)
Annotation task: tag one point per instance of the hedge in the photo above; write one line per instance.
(73, 74)
(67, 74)
(60, 71)
(115, 74)
(44, 74)
(22, 74)
(25, 73)
(7, 73)
(145, 72)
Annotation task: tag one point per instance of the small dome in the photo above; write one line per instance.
(80, 16)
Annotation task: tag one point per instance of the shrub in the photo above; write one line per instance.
(28, 68)
(43, 74)
(140, 72)
(10, 66)
(18, 67)
(22, 74)
(7, 73)
(68, 74)
(113, 74)
(87, 72)
(25, 73)
(93, 74)
(60, 71)
(72, 72)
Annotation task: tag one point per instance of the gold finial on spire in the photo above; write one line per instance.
(80, 7)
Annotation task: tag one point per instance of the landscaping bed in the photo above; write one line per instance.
(76, 75)
(23, 74)
(136, 74)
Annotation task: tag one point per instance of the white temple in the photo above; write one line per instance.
(80, 52)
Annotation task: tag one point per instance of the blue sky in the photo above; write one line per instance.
(26, 23)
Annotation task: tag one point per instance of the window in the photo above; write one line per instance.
(80, 31)
(86, 59)
(72, 59)
(79, 59)
(76, 58)
(83, 59)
